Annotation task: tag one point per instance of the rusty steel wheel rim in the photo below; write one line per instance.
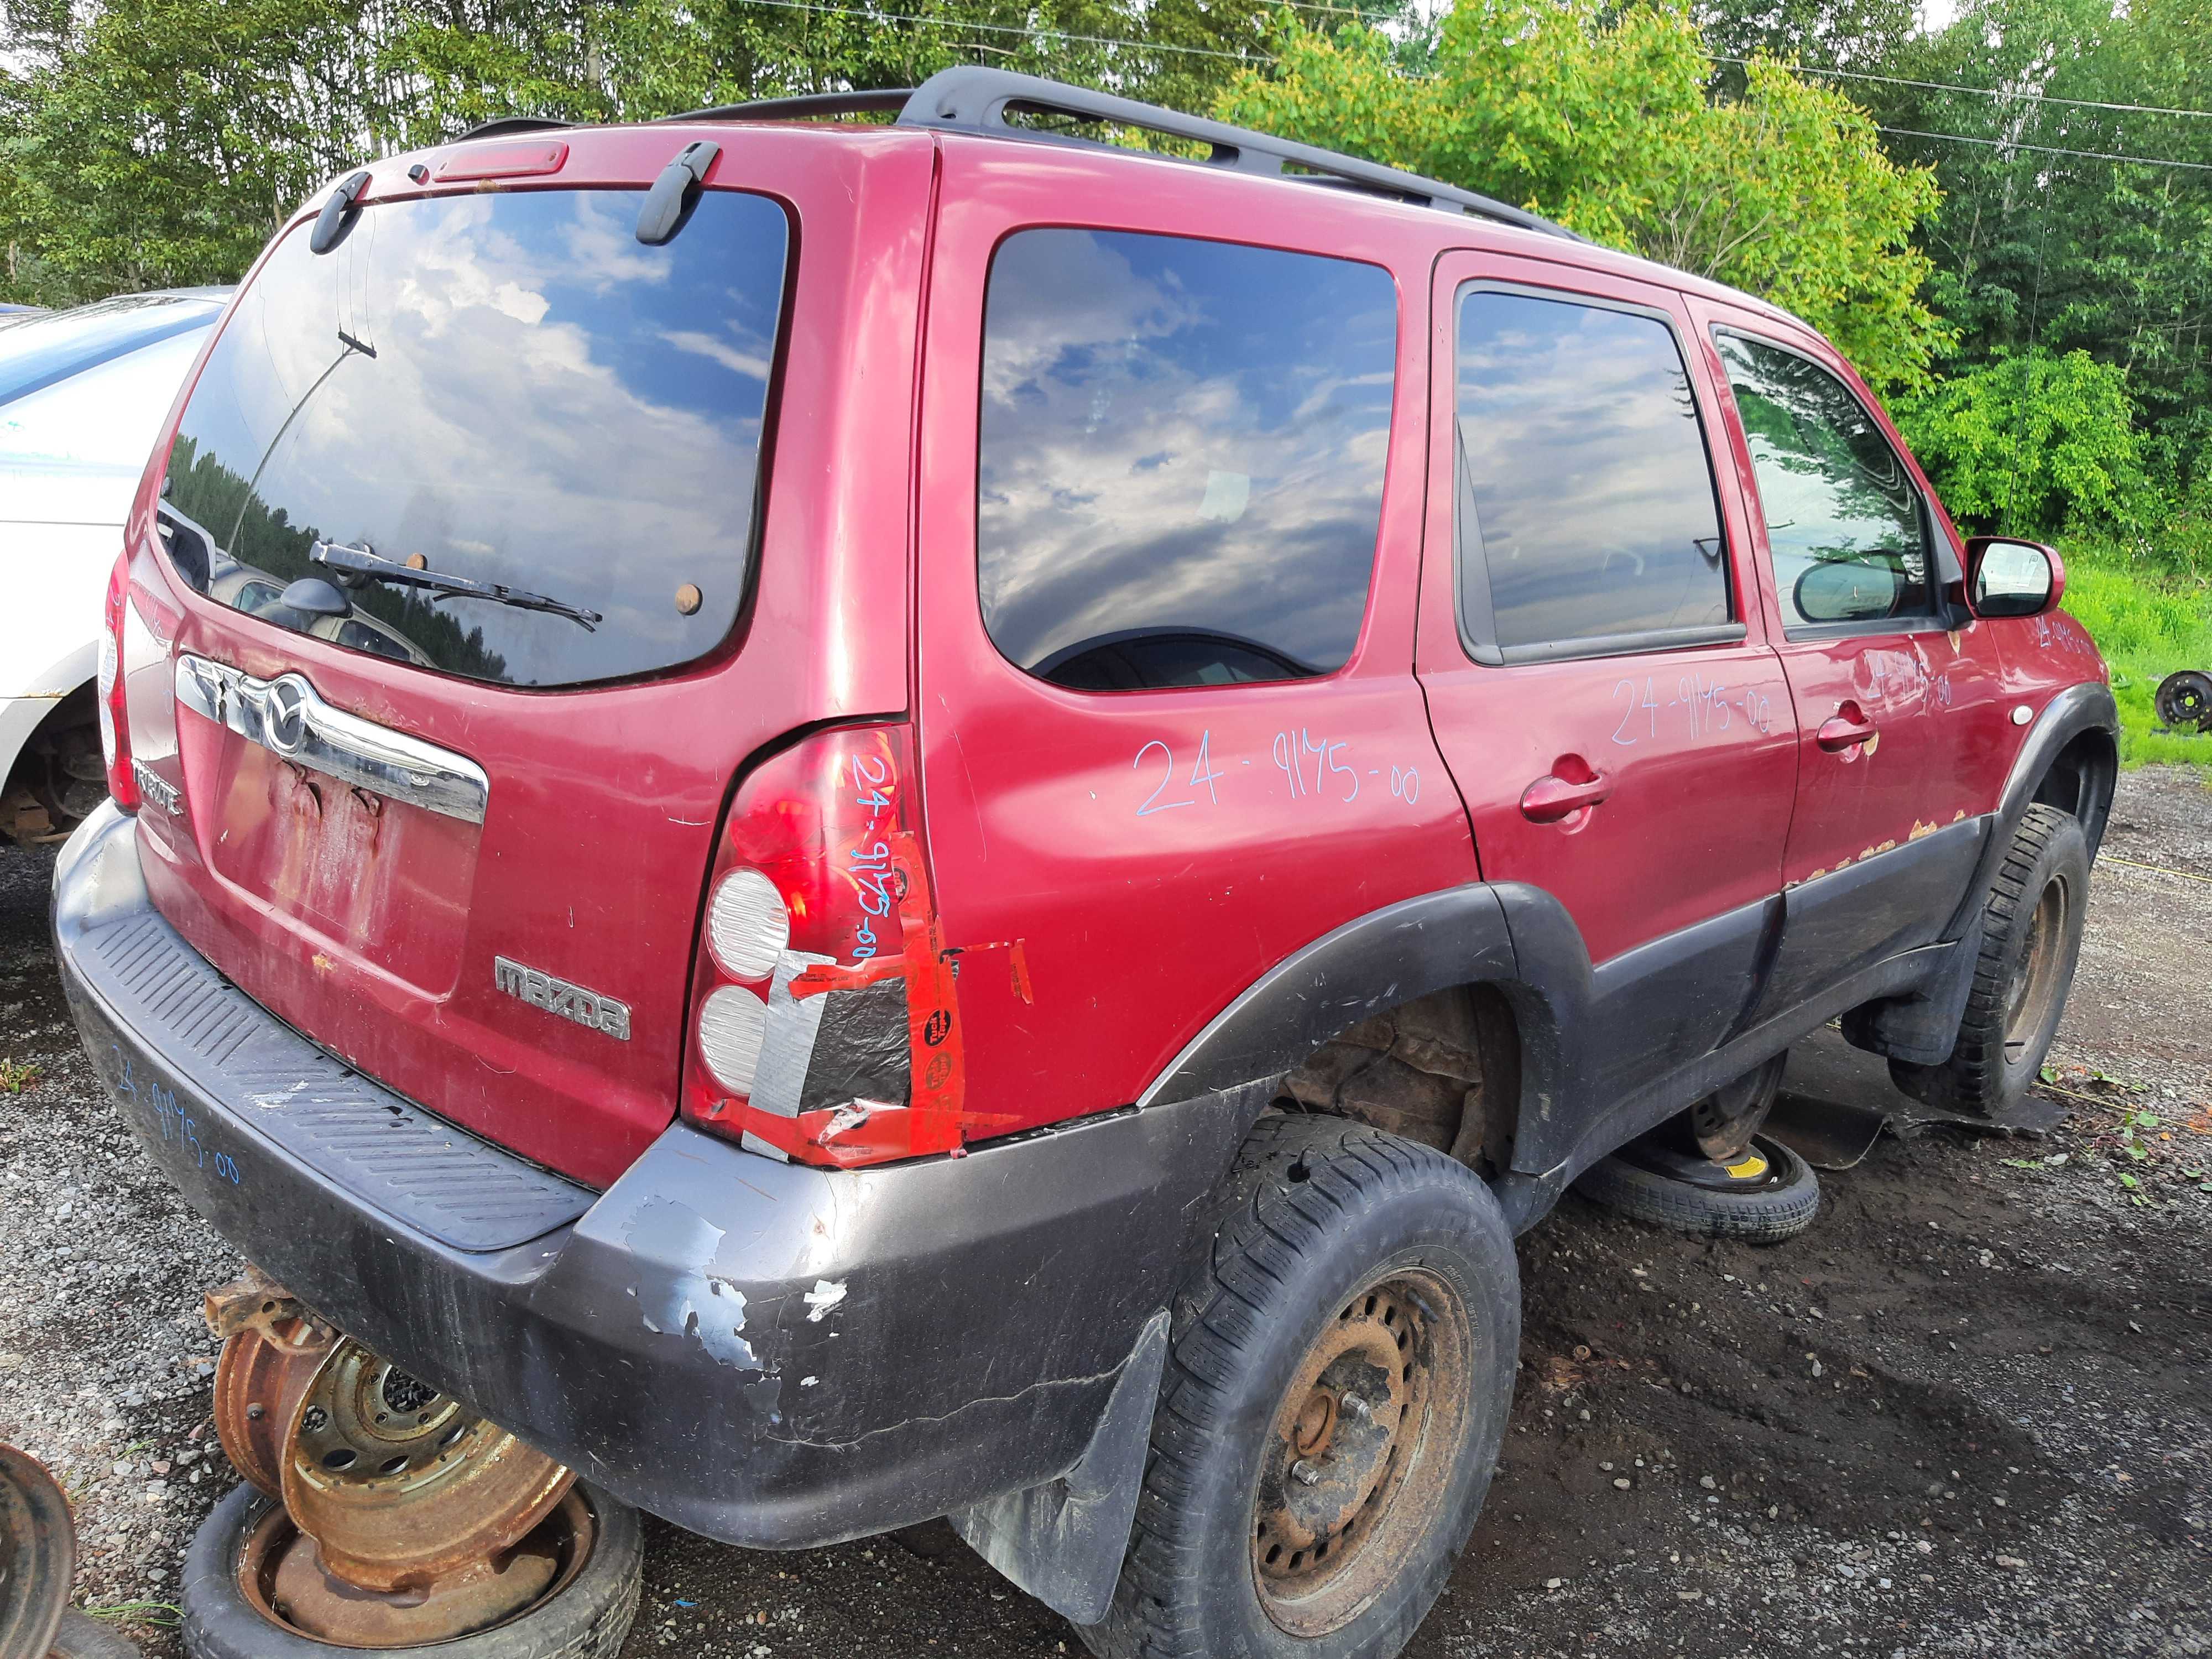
(2034, 987)
(282, 1577)
(1360, 1451)
(400, 1484)
(38, 1554)
(260, 1376)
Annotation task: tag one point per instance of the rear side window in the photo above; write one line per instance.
(506, 389)
(1180, 478)
(1843, 521)
(1587, 513)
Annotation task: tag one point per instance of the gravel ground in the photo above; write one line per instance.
(1965, 1414)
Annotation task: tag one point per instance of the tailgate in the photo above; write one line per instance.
(473, 581)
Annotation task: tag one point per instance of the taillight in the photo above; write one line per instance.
(115, 721)
(824, 1024)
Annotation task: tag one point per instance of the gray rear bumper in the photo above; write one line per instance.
(771, 1355)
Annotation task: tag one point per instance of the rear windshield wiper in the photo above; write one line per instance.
(365, 563)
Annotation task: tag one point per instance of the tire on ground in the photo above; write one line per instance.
(2001, 1048)
(84, 1637)
(587, 1619)
(1317, 1212)
(1765, 1213)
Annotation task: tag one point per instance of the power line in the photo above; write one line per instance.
(2048, 150)
(821, 6)
(1978, 92)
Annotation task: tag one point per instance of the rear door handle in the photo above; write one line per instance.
(1551, 797)
(1844, 729)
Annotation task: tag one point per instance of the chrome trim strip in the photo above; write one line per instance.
(286, 716)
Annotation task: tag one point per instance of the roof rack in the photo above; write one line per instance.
(971, 98)
(807, 107)
(975, 99)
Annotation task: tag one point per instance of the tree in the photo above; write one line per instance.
(2032, 443)
(150, 143)
(2040, 255)
(1605, 123)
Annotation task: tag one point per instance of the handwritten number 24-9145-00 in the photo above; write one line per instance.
(178, 1127)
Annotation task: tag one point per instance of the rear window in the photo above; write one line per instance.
(1182, 454)
(508, 390)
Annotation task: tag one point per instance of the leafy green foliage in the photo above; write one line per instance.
(146, 143)
(1603, 118)
(2039, 256)
(2147, 626)
(2030, 443)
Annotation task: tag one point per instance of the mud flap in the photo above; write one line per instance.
(1063, 1541)
(1922, 1025)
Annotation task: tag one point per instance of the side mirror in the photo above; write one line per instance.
(1847, 590)
(2010, 577)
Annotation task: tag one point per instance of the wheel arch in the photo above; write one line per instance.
(1514, 944)
(26, 722)
(2070, 760)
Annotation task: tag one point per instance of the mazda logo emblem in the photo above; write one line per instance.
(285, 724)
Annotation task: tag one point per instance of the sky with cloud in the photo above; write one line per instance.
(549, 404)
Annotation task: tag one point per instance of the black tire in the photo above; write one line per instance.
(2030, 940)
(1319, 1220)
(587, 1620)
(1780, 1205)
(2184, 699)
(81, 1637)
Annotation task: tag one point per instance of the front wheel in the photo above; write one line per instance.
(1334, 1399)
(2031, 939)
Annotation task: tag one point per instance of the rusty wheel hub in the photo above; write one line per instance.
(407, 1518)
(1359, 1452)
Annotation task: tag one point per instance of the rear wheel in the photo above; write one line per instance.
(1333, 1407)
(2031, 939)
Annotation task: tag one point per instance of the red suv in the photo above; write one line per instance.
(860, 823)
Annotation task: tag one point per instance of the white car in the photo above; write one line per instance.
(82, 394)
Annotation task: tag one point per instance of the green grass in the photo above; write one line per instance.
(2147, 627)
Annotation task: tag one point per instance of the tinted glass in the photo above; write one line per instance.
(512, 389)
(1843, 519)
(1593, 497)
(1182, 445)
(39, 351)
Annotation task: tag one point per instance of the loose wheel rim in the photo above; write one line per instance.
(2033, 990)
(1360, 1451)
(38, 1554)
(281, 1577)
(2185, 699)
(259, 1377)
(399, 1484)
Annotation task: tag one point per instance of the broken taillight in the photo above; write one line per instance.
(822, 1020)
(115, 724)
